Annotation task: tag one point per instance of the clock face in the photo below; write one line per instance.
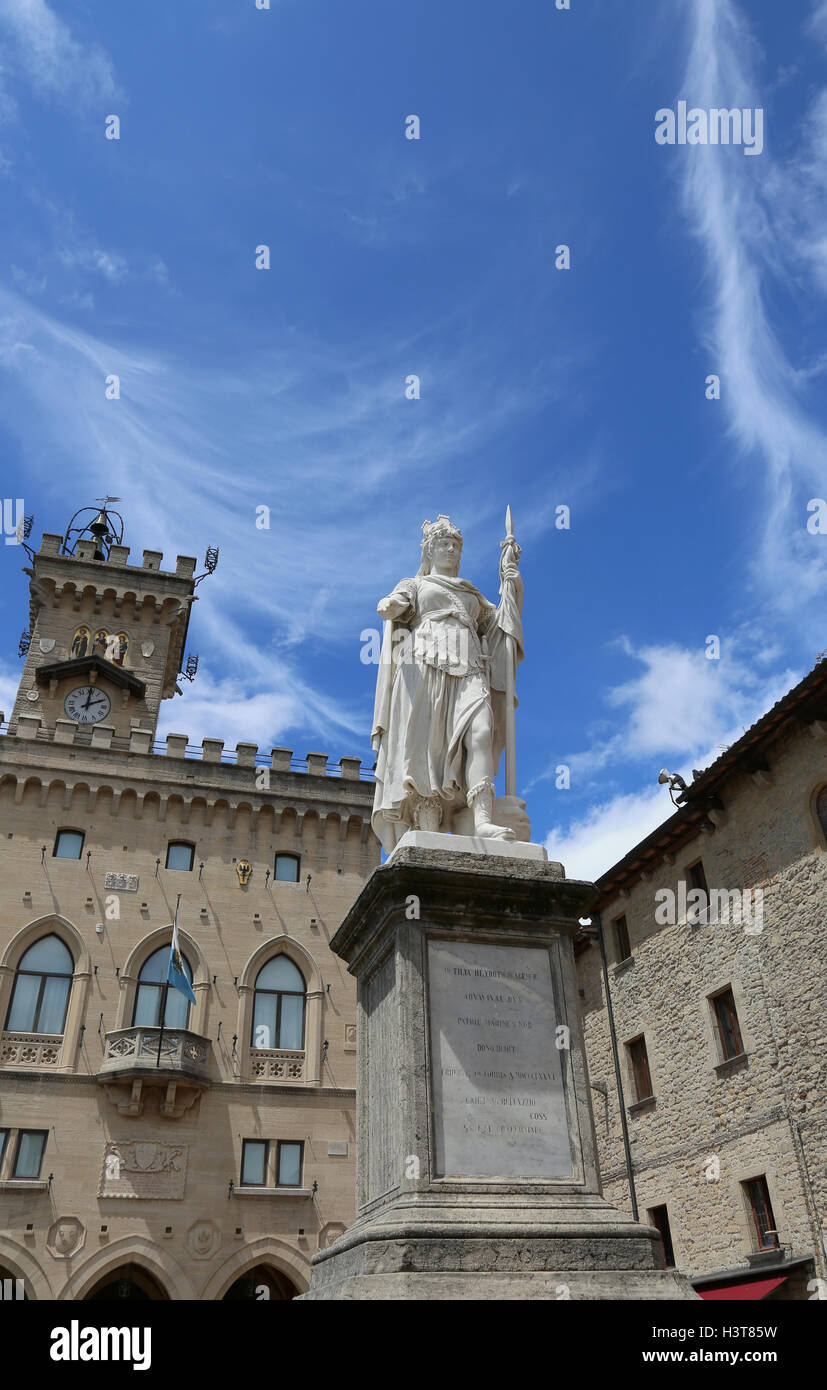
(86, 704)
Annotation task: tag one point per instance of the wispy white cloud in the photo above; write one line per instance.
(43, 51)
(735, 206)
(346, 465)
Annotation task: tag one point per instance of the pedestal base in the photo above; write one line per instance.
(475, 1246)
(476, 1163)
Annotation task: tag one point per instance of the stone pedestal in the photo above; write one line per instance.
(476, 1166)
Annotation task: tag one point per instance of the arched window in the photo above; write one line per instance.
(81, 642)
(287, 868)
(68, 844)
(180, 855)
(821, 810)
(41, 988)
(154, 994)
(278, 1009)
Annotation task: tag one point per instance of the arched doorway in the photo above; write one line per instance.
(130, 1282)
(262, 1283)
(12, 1286)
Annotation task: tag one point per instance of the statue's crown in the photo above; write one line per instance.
(443, 526)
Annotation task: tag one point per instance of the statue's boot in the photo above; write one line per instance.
(481, 799)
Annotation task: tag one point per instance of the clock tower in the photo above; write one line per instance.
(106, 638)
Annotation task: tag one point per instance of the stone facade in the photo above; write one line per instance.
(140, 1178)
(714, 1124)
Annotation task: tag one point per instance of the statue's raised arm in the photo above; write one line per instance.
(445, 697)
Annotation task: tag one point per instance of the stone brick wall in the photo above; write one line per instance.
(129, 807)
(766, 1113)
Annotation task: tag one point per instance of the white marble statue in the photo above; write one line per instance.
(445, 694)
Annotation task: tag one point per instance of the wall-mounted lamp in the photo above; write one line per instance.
(230, 1189)
(325, 1046)
(157, 866)
(200, 870)
(315, 1187)
(88, 857)
(213, 979)
(235, 1040)
(96, 970)
(43, 856)
(51, 1180)
(307, 884)
(267, 878)
(117, 972)
(674, 782)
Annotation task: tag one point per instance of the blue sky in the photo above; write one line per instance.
(436, 257)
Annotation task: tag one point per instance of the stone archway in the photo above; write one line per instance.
(262, 1283)
(129, 1281)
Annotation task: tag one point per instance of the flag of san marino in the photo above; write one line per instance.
(176, 974)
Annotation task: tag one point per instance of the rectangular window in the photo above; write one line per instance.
(697, 877)
(758, 1197)
(727, 1019)
(180, 855)
(68, 844)
(254, 1153)
(659, 1217)
(289, 1164)
(29, 1156)
(698, 912)
(622, 945)
(287, 868)
(640, 1068)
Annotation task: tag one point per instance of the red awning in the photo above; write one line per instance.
(758, 1288)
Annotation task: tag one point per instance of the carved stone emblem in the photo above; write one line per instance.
(331, 1232)
(46, 644)
(203, 1238)
(147, 648)
(66, 1237)
(244, 869)
(143, 1169)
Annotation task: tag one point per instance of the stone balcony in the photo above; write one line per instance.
(270, 1064)
(30, 1049)
(131, 1065)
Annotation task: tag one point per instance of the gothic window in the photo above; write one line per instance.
(68, 844)
(81, 642)
(278, 1007)
(155, 998)
(41, 988)
(287, 868)
(180, 855)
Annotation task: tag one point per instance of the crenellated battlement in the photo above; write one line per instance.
(52, 545)
(210, 750)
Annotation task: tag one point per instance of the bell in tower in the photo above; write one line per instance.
(106, 637)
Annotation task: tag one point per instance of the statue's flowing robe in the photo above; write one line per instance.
(433, 678)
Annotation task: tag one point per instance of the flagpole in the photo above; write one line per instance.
(166, 990)
(510, 686)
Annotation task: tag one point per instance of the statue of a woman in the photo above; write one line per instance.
(439, 723)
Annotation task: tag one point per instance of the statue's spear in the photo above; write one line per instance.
(508, 547)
